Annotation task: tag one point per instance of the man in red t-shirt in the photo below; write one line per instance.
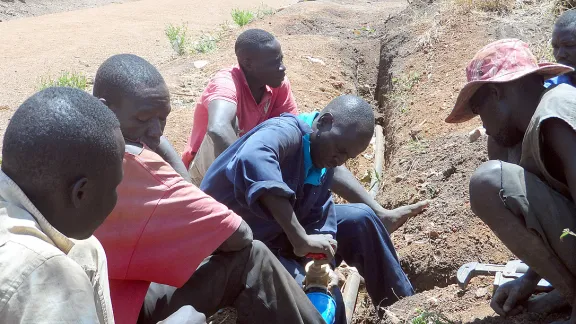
(237, 99)
(167, 232)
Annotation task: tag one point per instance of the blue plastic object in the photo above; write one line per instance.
(325, 305)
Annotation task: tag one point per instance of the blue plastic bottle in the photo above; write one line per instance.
(316, 288)
(324, 303)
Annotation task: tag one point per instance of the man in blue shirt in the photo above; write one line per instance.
(564, 46)
(278, 178)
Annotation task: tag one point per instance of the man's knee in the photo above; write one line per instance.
(360, 217)
(261, 251)
(485, 186)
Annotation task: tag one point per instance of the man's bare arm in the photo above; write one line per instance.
(240, 239)
(282, 211)
(169, 154)
(221, 118)
(348, 187)
(560, 138)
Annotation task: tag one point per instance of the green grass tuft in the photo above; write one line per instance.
(427, 317)
(206, 44)
(242, 17)
(178, 38)
(66, 79)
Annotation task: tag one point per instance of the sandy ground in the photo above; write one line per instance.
(35, 47)
(14, 9)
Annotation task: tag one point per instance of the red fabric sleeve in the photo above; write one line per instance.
(221, 86)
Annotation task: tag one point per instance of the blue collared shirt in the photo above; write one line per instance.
(269, 159)
(557, 80)
(313, 174)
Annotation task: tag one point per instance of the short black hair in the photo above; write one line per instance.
(123, 75)
(250, 40)
(567, 19)
(349, 110)
(57, 134)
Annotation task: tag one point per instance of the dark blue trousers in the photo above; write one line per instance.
(364, 243)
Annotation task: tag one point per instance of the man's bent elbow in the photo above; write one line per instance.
(220, 130)
(239, 240)
(485, 185)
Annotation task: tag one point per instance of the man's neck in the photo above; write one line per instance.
(526, 117)
(257, 89)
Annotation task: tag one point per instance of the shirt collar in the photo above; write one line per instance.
(245, 82)
(13, 195)
(313, 175)
(558, 80)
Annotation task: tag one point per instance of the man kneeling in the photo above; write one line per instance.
(528, 204)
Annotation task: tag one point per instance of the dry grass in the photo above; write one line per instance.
(562, 5)
(543, 51)
(500, 6)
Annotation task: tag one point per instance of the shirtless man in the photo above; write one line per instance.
(527, 203)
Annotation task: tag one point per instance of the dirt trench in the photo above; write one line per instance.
(419, 74)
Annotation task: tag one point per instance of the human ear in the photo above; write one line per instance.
(325, 121)
(78, 194)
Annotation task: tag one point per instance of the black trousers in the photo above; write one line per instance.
(251, 280)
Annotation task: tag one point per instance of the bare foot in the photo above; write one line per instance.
(546, 303)
(393, 219)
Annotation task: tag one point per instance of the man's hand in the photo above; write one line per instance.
(323, 244)
(509, 296)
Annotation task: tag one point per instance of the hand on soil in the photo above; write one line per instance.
(508, 298)
(395, 218)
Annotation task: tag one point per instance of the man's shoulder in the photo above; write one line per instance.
(147, 167)
(27, 249)
(559, 101)
(289, 122)
(228, 75)
(561, 91)
(21, 257)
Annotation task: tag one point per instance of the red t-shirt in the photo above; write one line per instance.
(160, 230)
(230, 85)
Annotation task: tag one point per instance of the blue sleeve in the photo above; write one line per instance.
(255, 168)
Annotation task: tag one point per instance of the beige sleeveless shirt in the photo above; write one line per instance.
(560, 102)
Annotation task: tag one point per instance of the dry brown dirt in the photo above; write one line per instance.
(14, 9)
(79, 41)
(423, 46)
